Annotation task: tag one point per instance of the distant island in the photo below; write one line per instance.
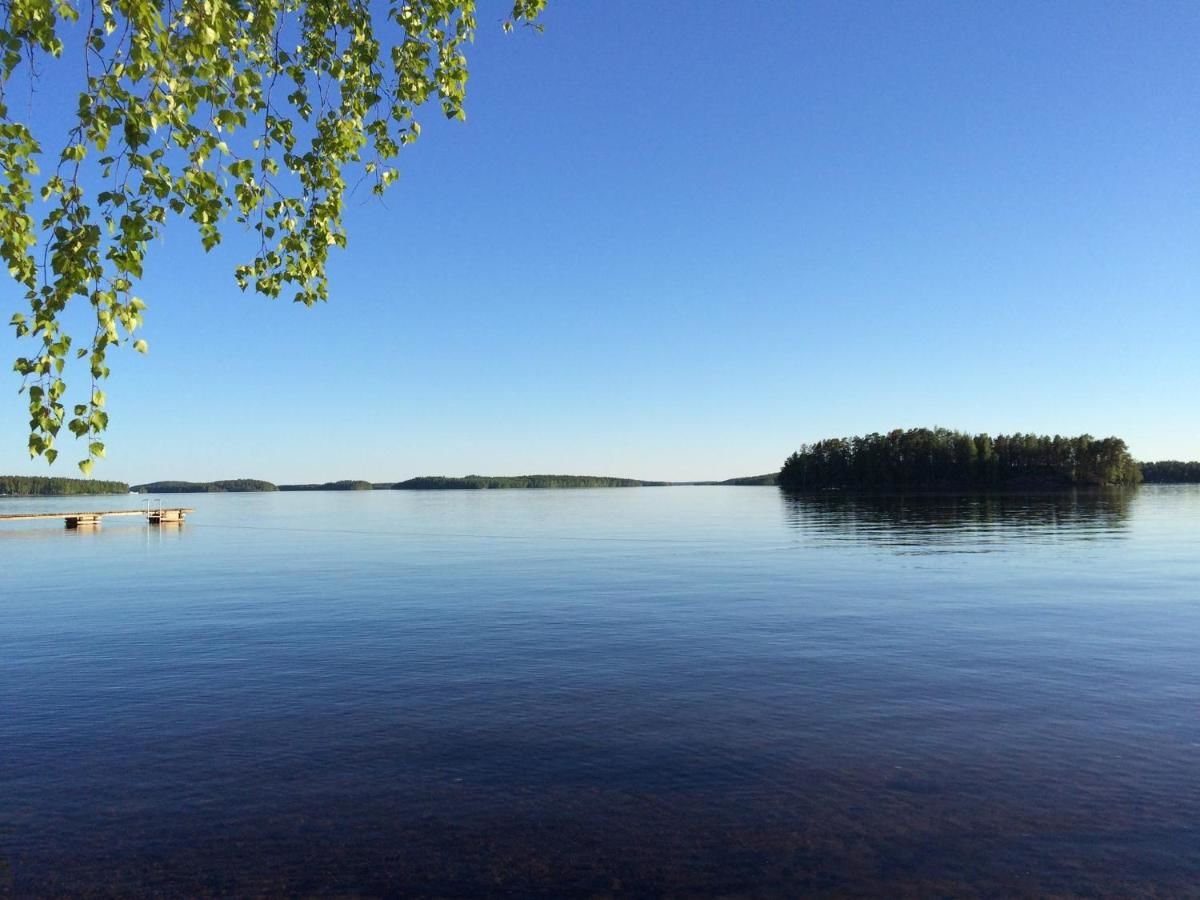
(330, 486)
(491, 482)
(204, 487)
(940, 459)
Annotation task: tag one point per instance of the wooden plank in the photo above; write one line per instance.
(69, 515)
(13, 517)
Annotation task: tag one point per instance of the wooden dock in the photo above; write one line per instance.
(155, 516)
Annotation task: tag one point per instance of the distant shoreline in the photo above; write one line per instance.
(437, 483)
(39, 486)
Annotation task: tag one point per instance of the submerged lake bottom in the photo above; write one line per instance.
(675, 692)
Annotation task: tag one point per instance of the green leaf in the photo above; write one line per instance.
(160, 82)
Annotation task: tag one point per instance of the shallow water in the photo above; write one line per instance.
(650, 692)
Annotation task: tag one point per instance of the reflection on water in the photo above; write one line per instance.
(958, 522)
(670, 692)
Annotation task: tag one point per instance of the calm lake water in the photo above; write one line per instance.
(625, 692)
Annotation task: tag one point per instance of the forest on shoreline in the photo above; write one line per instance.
(41, 486)
(926, 459)
(493, 482)
(919, 459)
(233, 485)
(1170, 471)
(28, 486)
(347, 485)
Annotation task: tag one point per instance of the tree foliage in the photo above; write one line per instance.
(924, 458)
(204, 110)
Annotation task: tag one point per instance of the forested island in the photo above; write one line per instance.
(204, 487)
(1171, 471)
(486, 482)
(330, 486)
(39, 486)
(941, 459)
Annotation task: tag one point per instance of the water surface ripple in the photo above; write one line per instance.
(626, 692)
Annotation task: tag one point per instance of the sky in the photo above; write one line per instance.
(676, 240)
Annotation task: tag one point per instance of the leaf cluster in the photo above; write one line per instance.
(255, 111)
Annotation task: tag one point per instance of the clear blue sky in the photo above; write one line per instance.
(678, 239)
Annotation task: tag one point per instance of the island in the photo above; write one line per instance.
(941, 459)
(205, 487)
(491, 482)
(347, 485)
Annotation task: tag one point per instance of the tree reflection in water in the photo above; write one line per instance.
(957, 522)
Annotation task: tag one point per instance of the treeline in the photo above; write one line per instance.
(40, 486)
(1171, 471)
(484, 482)
(934, 459)
(204, 487)
(329, 486)
(752, 480)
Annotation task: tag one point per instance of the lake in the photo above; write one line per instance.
(680, 691)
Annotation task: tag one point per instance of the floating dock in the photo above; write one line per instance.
(156, 516)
